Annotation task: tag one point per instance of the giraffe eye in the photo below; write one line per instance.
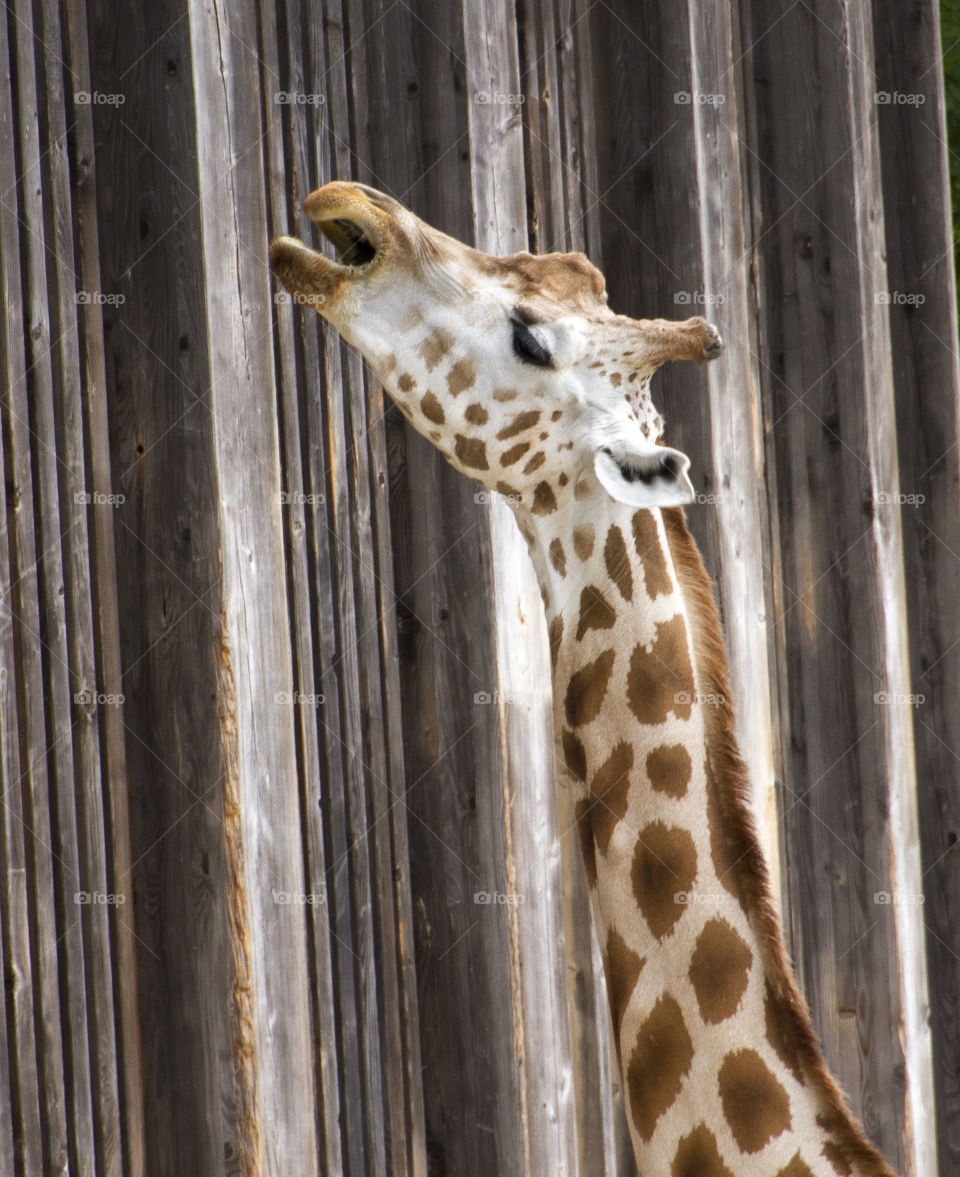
(528, 347)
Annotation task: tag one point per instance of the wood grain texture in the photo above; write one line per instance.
(828, 391)
(303, 794)
(918, 239)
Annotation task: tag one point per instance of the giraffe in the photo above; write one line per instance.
(520, 374)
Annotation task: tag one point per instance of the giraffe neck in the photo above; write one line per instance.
(721, 1069)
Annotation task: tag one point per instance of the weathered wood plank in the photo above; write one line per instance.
(923, 321)
(74, 491)
(168, 573)
(737, 458)
(270, 1014)
(33, 431)
(307, 559)
(116, 783)
(26, 817)
(827, 388)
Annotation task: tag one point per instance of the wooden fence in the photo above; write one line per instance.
(274, 706)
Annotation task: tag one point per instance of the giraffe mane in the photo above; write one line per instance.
(749, 867)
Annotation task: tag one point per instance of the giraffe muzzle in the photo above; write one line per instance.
(355, 226)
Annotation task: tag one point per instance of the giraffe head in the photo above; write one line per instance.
(514, 367)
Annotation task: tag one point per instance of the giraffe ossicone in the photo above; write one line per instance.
(518, 371)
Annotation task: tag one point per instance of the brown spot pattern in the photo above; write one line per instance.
(836, 1158)
(514, 453)
(535, 462)
(798, 1167)
(669, 768)
(586, 689)
(755, 1104)
(585, 830)
(618, 562)
(661, 1057)
(555, 633)
(406, 382)
(476, 414)
(574, 754)
(461, 376)
(558, 557)
(584, 538)
(432, 409)
(719, 970)
(698, 1156)
(504, 394)
(521, 422)
(471, 451)
(646, 539)
(544, 500)
(661, 681)
(595, 612)
(435, 347)
(621, 967)
(510, 491)
(610, 789)
(782, 1030)
(664, 864)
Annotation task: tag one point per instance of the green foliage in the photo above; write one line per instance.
(950, 37)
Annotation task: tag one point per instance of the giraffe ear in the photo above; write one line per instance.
(646, 475)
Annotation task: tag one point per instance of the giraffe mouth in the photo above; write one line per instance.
(352, 241)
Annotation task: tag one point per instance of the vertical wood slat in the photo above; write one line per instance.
(74, 491)
(827, 388)
(923, 326)
(20, 1123)
(91, 1083)
(308, 564)
(104, 601)
(271, 1016)
(899, 800)
(733, 399)
(523, 688)
(167, 539)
